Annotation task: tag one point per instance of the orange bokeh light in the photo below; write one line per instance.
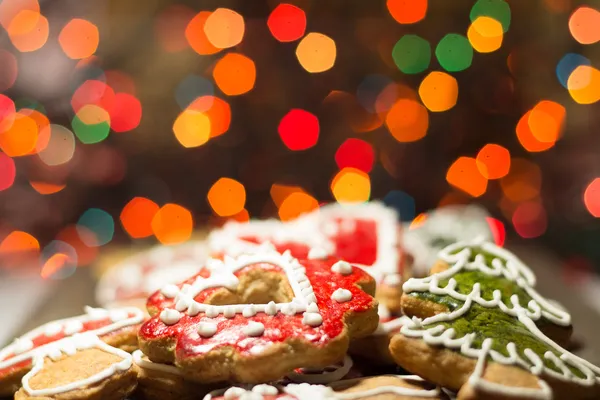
(584, 84)
(439, 91)
(407, 11)
(418, 221)
(591, 198)
(485, 34)
(464, 174)
(196, 37)
(280, 192)
(351, 185)
(10, 9)
(79, 39)
(546, 121)
(227, 197)
(296, 204)
(217, 110)
(235, 74)
(46, 187)
(192, 128)
(21, 138)
(224, 28)
(54, 264)
(316, 52)
(28, 31)
(527, 138)
(19, 242)
(407, 120)
(43, 124)
(493, 161)
(172, 224)
(137, 215)
(583, 25)
(523, 182)
(72, 235)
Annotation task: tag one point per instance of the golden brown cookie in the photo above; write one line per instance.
(79, 367)
(478, 326)
(116, 327)
(257, 317)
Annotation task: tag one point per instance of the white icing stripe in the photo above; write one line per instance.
(91, 315)
(222, 275)
(68, 346)
(323, 376)
(515, 271)
(140, 361)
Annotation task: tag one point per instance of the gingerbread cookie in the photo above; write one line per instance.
(131, 281)
(479, 326)
(117, 327)
(385, 387)
(255, 318)
(81, 366)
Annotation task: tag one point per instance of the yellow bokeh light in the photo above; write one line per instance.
(227, 197)
(351, 185)
(224, 28)
(584, 84)
(91, 114)
(485, 34)
(439, 91)
(172, 224)
(296, 204)
(192, 128)
(316, 52)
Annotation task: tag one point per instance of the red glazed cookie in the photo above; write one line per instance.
(117, 327)
(304, 314)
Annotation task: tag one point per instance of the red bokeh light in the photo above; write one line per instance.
(299, 129)
(8, 73)
(287, 23)
(530, 219)
(591, 198)
(126, 113)
(8, 171)
(498, 230)
(93, 92)
(355, 153)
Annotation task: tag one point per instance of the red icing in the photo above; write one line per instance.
(278, 328)
(358, 245)
(298, 250)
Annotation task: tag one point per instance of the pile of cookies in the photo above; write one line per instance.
(329, 306)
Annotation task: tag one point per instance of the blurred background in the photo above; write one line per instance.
(141, 121)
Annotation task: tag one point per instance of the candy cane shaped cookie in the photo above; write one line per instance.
(81, 366)
(117, 327)
(256, 317)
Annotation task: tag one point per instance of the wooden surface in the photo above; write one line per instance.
(72, 294)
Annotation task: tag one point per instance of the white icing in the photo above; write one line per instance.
(68, 346)
(75, 326)
(66, 325)
(234, 392)
(254, 329)
(327, 375)
(312, 319)
(117, 315)
(342, 267)
(508, 266)
(140, 360)
(169, 291)
(317, 253)
(52, 329)
(170, 316)
(393, 325)
(207, 329)
(265, 389)
(341, 295)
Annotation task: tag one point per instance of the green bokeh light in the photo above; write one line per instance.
(454, 52)
(100, 223)
(90, 133)
(412, 54)
(497, 9)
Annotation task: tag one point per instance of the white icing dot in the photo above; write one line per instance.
(73, 327)
(249, 311)
(229, 312)
(342, 267)
(254, 329)
(22, 345)
(288, 309)
(317, 253)
(169, 291)
(265, 389)
(313, 308)
(211, 312)
(52, 329)
(183, 302)
(207, 329)
(233, 393)
(271, 308)
(312, 319)
(118, 315)
(194, 309)
(170, 316)
(311, 298)
(342, 295)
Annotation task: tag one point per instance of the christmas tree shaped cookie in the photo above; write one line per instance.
(479, 326)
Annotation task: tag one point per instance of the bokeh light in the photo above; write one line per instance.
(9, 70)
(316, 52)
(93, 92)
(407, 11)
(591, 197)
(46, 188)
(523, 182)
(485, 34)
(403, 202)
(192, 87)
(388, 96)
(407, 120)
(60, 146)
(584, 84)
(136, 217)
(20, 139)
(28, 31)
(498, 230)
(351, 185)
(217, 110)
(418, 221)
(527, 138)
(454, 52)
(439, 91)
(287, 22)
(299, 129)
(42, 122)
(496, 9)
(170, 25)
(192, 128)
(126, 113)
(79, 38)
(235, 74)
(493, 161)
(10, 9)
(412, 54)
(296, 204)
(172, 224)
(355, 153)
(279, 192)
(8, 171)
(7, 112)
(224, 28)
(464, 174)
(227, 197)
(19, 242)
(547, 120)
(73, 235)
(530, 220)
(120, 82)
(567, 64)
(100, 223)
(584, 25)
(58, 259)
(91, 124)
(196, 37)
